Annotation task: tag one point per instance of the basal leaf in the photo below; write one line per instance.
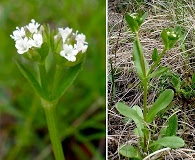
(131, 113)
(176, 82)
(128, 112)
(172, 126)
(32, 80)
(139, 125)
(193, 78)
(170, 141)
(129, 151)
(162, 102)
(138, 110)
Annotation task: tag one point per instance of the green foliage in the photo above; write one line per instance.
(84, 100)
(143, 120)
(130, 151)
(162, 102)
(172, 126)
(142, 68)
(169, 141)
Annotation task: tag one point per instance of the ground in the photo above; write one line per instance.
(123, 84)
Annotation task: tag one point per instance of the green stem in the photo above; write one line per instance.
(49, 108)
(43, 78)
(145, 84)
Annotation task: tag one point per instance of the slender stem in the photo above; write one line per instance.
(43, 78)
(49, 108)
(145, 84)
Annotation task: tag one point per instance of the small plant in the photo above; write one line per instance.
(58, 57)
(145, 120)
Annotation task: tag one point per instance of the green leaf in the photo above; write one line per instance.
(172, 126)
(128, 112)
(139, 125)
(64, 78)
(131, 113)
(193, 78)
(43, 51)
(132, 23)
(137, 57)
(159, 72)
(32, 80)
(129, 151)
(164, 38)
(138, 110)
(176, 82)
(162, 102)
(170, 141)
(155, 55)
(145, 15)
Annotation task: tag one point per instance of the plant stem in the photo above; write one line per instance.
(49, 108)
(43, 78)
(145, 84)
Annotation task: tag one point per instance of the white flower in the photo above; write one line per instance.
(18, 34)
(36, 41)
(33, 26)
(69, 52)
(22, 45)
(65, 33)
(81, 47)
(80, 38)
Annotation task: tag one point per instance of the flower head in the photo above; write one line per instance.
(64, 33)
(18, 34)
(22, 45)
(72, 45)
(36, 41)
(33, 26)
(24, 41)
(69, 52)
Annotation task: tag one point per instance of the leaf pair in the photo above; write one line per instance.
(63, 79)
(135, 20)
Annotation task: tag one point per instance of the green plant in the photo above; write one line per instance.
(59, 57)
(145, 121)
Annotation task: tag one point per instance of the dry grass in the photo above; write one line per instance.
(126, 85)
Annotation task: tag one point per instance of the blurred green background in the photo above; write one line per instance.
(81, 111)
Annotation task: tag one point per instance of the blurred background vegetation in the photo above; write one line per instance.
(80, 112)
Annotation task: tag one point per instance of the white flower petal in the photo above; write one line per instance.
(81, 47)
(69, 52)
(65, 33)
(80, 38)
(18, 34)
(22, 45)
(33, 26)
(36, 41)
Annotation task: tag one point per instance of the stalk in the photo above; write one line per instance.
(145, 84)
(49, 108)
(43, 79)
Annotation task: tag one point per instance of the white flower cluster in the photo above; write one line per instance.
(23, 42)
(30, 36)
(70, 51)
